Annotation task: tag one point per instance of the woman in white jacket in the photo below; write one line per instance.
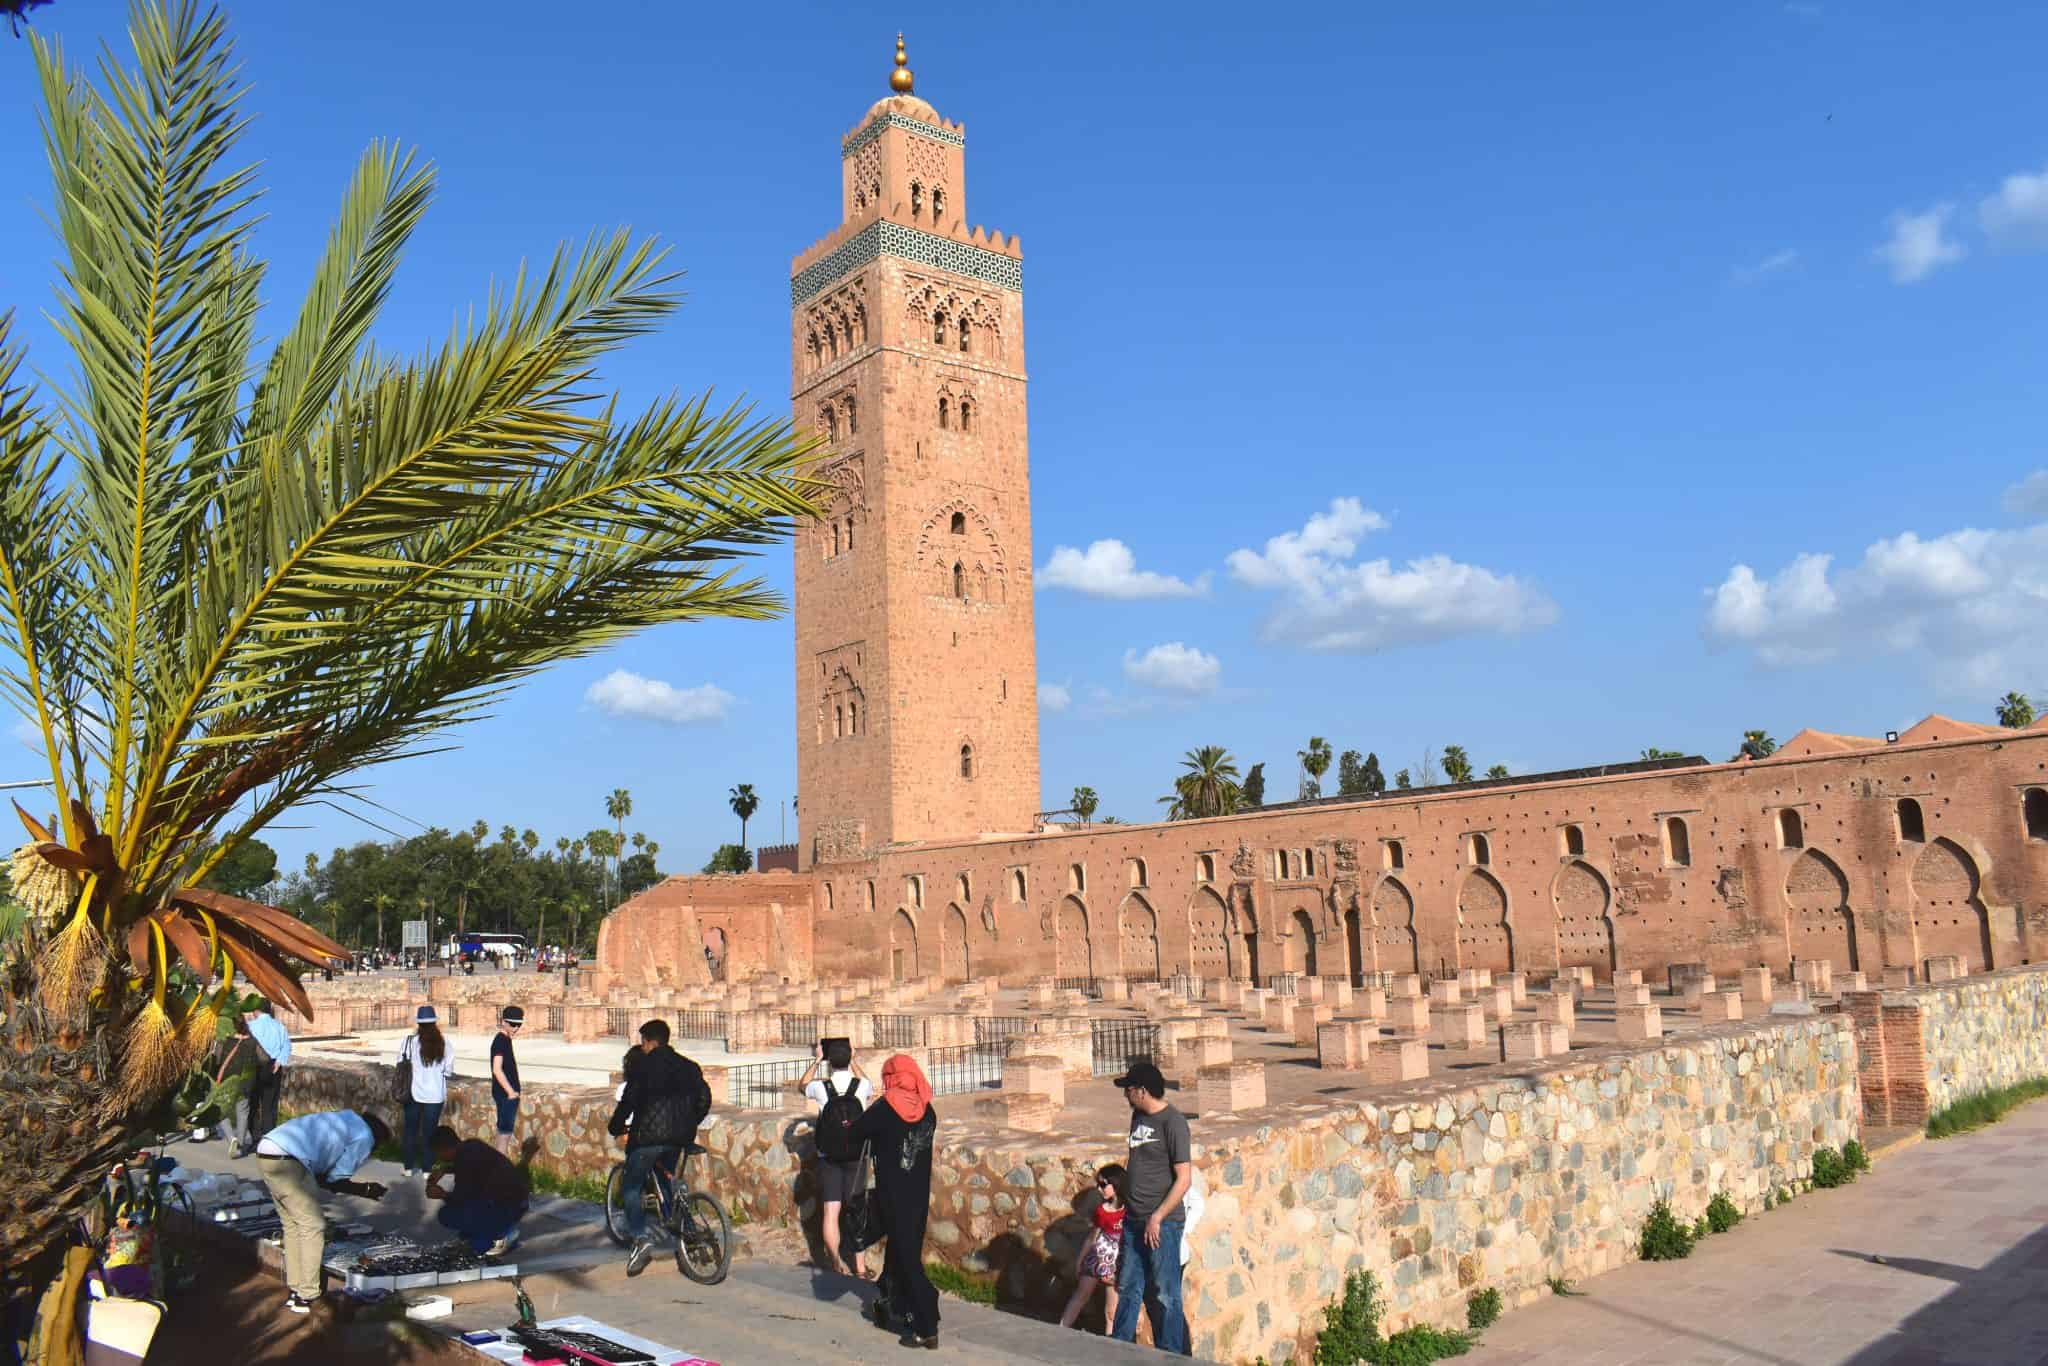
(432, 1064)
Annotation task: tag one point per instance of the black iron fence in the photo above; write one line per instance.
(763, 1085)
(380, 1015)
(618, 1020)
(1000, 1029)
(553, 1022)
(896, 1031)
(1116, 1042)
(1282, 983)
(968, 1067)
(703, 1024)
(799, 1031)
(1088, 985)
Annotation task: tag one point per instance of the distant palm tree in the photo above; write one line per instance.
(1084, 801)
(1457, 767)
(530, 840)
(2015, 710)
(1497, 771)
(744, 804)
(618, 806)
(382, 901)
(1209, 787)
(1315, 762)
(1756, 744)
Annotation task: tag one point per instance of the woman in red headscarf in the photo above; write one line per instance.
(899, 1131)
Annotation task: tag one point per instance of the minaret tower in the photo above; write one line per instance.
(916, 667)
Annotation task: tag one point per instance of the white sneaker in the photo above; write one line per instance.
(504, 1245)
(642, 1254)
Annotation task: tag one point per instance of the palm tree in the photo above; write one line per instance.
(744, 804)
(382, 901)
(1084, 802)
(618, 806)
(1315, 762)
(1208, 787)
(1756, 744)
(1457, 767)
(1498, 771)
(2015, 710)
(232, 578)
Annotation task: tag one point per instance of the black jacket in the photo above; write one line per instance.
(666, 1099)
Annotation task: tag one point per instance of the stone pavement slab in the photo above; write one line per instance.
(1962, 1226)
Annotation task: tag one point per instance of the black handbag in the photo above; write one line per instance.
(401, 1075)
(860, 1217)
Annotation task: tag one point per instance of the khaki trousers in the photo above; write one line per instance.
(305, 1223)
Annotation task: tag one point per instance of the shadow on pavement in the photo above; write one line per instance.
(1996, 1314)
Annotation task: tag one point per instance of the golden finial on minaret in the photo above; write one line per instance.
(900, 80)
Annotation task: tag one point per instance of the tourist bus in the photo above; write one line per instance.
(505, 948)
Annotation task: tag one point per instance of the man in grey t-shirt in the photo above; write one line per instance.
(1148, 1263)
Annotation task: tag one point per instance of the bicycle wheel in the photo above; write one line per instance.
(703, 1242)
(614, 1214)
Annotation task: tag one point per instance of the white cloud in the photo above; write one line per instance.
(1770, 265)
(1917, 248)
(627, 694)
(2029, 497)
(1329, 603)
(1055, 696)
(2017, 215)
(1173, 667)
(1108, 569)
(1971, 605)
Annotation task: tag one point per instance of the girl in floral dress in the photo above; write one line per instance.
(1097, 1263)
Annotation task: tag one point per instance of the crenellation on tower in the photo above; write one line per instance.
(907, 357)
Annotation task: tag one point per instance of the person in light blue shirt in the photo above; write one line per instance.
(301, 1158)
(275, 1044)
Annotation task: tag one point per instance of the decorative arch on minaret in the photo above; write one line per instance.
(960, 556)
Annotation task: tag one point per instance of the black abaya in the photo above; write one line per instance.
(903, 1182)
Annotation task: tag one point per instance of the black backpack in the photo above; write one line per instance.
(836, 1121)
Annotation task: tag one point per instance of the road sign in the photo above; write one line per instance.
(415, 935)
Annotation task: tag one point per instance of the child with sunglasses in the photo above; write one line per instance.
(1097, 1263)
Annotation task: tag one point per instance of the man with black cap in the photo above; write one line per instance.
(1160, 1171)
(505, 1077)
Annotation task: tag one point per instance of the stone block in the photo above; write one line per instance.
(1396, 1060)
(1228, 993)
(1407, 986)
(1040, 997)
(1581, 974)
(1637, 995)
(1196, 1053)
(1019, 1110)
(1252, 1004)
(1556, 1006)
(1720, 1006)
(1115, 989)
(1628, 977)
(1692, 988)
(1637, 1022)
(1944, 967)
(1498, 1000)
(1214, 1027)
(1517, 984)
(1756, 987)
(1521, 1041)
(1896, 979)
(1174, 1028)
(1037, 1073)
(1557, 1038)
(1444, 991)
(1337, 991)
(1344, 1044)
(1676, 975)
(754, 1031)
(1230, 1087)
(1280, 1014)
(1369, 1003)
(1408, 1015)
(1848, 982)
(1468, 980)
(1309, 989)
(583, 1023)
(1308, 1019)
(1461, 1026)
(858, 1026)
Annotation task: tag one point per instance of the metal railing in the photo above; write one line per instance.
(553, 1024)
(968, 1067)
(1116, 1042)
(379, 1015)
(799, 1031)
(896, 1031)
(618, 1020)
(703, 1024)
(763, 1085)
(1000, 1029)
(1281, 983)
(1087, 985)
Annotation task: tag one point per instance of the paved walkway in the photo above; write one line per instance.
(1962, 1225)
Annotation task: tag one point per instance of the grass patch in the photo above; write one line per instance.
(1985, 1107)
(1560, 1285)
(966, 1285)
(1482, 1309)
(589, 1189)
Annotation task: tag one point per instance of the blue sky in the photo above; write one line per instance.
(1608, 322)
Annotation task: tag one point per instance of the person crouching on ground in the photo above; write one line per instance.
(841, 1096)
(900, 1133)
(489, 1195)
(299, 1159)
(666, 1099)
(1097, 1262)
(1161, 1166)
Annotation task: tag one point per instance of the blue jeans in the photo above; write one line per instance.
(421, 1117)
(1151, 1276)
(640, 1164)
(480, 1222)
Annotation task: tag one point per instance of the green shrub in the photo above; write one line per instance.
(1419, 1346)
(1853, 1154)
(1351, 1323)
(586, 1188)
(1829, 1170)
(1985, 1107)
(1699, 1228)
(965, 1284)
(1560, 1285)
(1483, 1308)
(1722, 1214)
(1664, 1238)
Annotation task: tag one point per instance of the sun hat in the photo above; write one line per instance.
(513, 1015)
(424, 1015)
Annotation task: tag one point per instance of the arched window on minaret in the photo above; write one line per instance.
(838, 720)
(966, 414)
(959, 524)
(812, 350)
(967, 761)
(835, 538)
(853, 718)
(916, 199)
(852, 418)
(959, 581)
(849, 533)
(831, 425)
(875, 191)
(938, 329)
(945, 414)
(964, 330)
(860, 322)
(938, 202)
